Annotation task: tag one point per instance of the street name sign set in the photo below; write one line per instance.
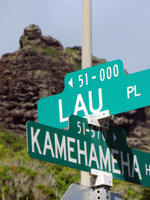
(85, 148)
(92, 93)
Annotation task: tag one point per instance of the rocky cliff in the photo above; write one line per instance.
(37, 70)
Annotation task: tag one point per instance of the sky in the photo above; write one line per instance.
(120, 28)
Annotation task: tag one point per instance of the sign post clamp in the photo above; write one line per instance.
(97, 119)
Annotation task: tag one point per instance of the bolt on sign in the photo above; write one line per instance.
(93, 90)
(84, 148)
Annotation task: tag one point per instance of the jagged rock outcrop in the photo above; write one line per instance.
(36, 70)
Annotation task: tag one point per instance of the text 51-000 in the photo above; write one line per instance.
(104, 74)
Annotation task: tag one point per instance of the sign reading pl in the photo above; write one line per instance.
(84, 147)
(93, 90)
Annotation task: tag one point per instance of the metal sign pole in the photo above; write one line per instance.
(98, 180)
(100, 188)
(86, 34)
(86, 56)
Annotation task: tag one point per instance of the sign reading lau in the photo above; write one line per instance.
(93, 90)
(83, 147)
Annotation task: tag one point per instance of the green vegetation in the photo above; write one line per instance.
(52, 52)
(30, 43)
(78, 66)
(64, 176)
(46, 190)
(22, 177)
(100, 59)
(72, 51)
(146, 194)
(36, 48)
(127, 190)
(74, 58)
(10, 141)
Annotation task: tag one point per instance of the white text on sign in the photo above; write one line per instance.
(132, 89)
(63, 147)
(104, 74)
(80, 105)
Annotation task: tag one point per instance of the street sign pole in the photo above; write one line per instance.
(98, 180)
(86, 34)
(87, 62)
(86, 55)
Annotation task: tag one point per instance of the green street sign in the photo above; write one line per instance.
(84, 148)
(93, 90)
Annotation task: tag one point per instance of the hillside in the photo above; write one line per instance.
(35, 71)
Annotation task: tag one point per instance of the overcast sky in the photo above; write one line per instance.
(120, 28)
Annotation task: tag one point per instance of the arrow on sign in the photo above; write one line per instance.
(71, 82)
(114, 137)
(84, 147)
(93, 90)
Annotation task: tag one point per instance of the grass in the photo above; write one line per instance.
(72, 51)
(22, 177)
(51, 52)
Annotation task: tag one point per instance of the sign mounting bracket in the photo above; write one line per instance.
(99, 178)
(101, 183)
(97, 119)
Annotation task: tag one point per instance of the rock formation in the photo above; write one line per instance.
(37, 70)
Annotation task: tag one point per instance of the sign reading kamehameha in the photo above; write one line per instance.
(93, 90)
(83, 147)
